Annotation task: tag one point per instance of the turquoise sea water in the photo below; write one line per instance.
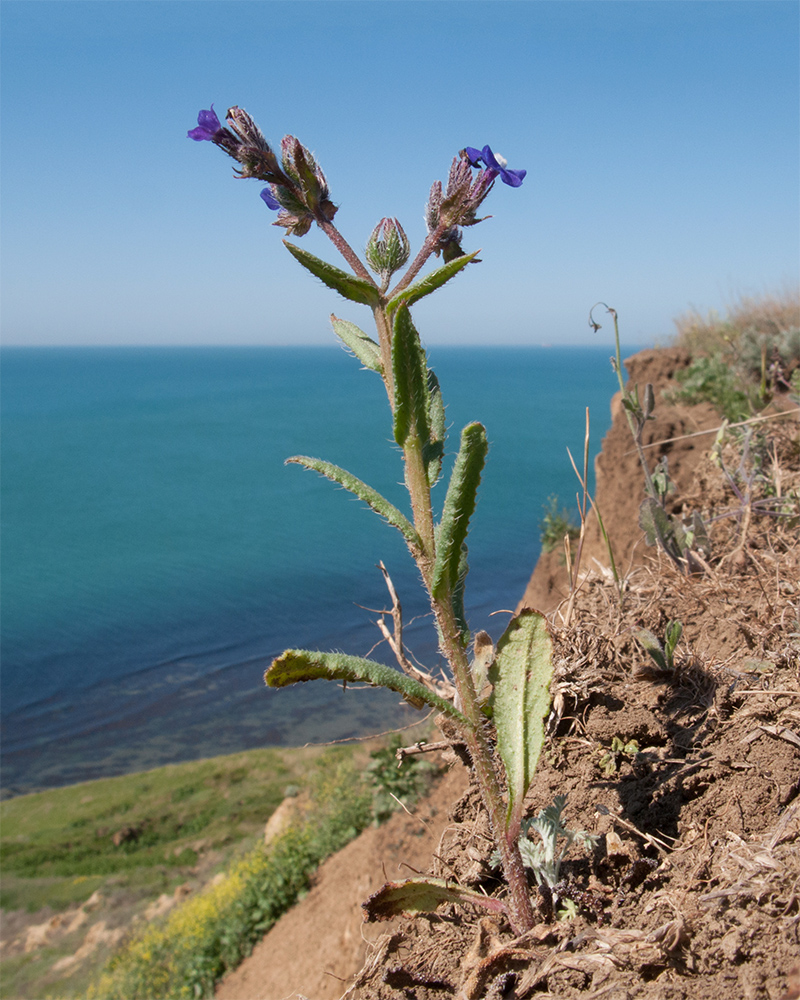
(157, 553)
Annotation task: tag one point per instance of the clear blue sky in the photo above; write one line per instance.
(660, 140)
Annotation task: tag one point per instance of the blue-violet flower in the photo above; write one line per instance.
(270, 200)
(496, 164)
(207, 126)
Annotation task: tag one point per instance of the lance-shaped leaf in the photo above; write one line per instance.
(457, 596)
(355, 340)
(654, 522)
(349, 285)
(296, 665)
(652, 644)
(459, 505)
(411, 400)
(366, 493)
(422, 895)
(521, 674)
(430, 282)
(433, 451)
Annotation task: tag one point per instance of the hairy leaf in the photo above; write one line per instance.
(366, 493)
(415, 895)
(654, 522)
(295, 665)
(363, 346)
(652, 644)
(351, 287)
(433, 451)
(459, 505)
(521, 675)
(430, 282)
(411, 400)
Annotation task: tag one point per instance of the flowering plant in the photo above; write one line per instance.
(495, 701)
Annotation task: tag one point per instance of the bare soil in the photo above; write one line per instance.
(689, 778)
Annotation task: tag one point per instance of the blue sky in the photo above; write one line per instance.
(660, 140)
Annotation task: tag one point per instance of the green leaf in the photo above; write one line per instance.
(654, 522)
(433, 451)
(521, 675)
(411, 400)
(459, 589)
(459, 505)
(351, 287)
(653, 646)
(363, 346)
(366, 493)
(295, 665)
(415, 895)
(672, 636)
(430, 282)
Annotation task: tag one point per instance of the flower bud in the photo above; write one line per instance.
(387, 249)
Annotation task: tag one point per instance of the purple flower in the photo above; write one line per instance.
(495, 164)
(207, 126)
(270, 200)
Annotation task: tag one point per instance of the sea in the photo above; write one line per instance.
(158, 553)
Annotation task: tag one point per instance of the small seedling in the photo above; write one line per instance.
(663, 654)
(609, 762)
(544, 858)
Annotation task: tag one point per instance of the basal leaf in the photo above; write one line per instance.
(430, 282)
(654, 522)
(459, 505)
(521, 675)
(296, 665)
(366, 493)
(349, 285)
(422, 895)
(411, 400)
(363, 346)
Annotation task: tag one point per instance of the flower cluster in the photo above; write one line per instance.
(297, 186)
(458, 204)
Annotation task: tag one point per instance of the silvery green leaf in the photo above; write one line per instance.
(672, 636)
(521, 675)
(654, 522)
(653, 646)
(363, 346)
(430, 282)
(366, 493)
(296, 665)
(411, 399)
(459, 504)
(349, 285)
(433, 451)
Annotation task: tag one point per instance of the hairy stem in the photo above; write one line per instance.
(384, 328)
(427, 248)
(344, 248)
(520, 911)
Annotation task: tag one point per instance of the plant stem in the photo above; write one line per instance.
(427, 248)
(344, 248)
(519, 903)
(636, 432)
(384, 328)
(520, 911)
